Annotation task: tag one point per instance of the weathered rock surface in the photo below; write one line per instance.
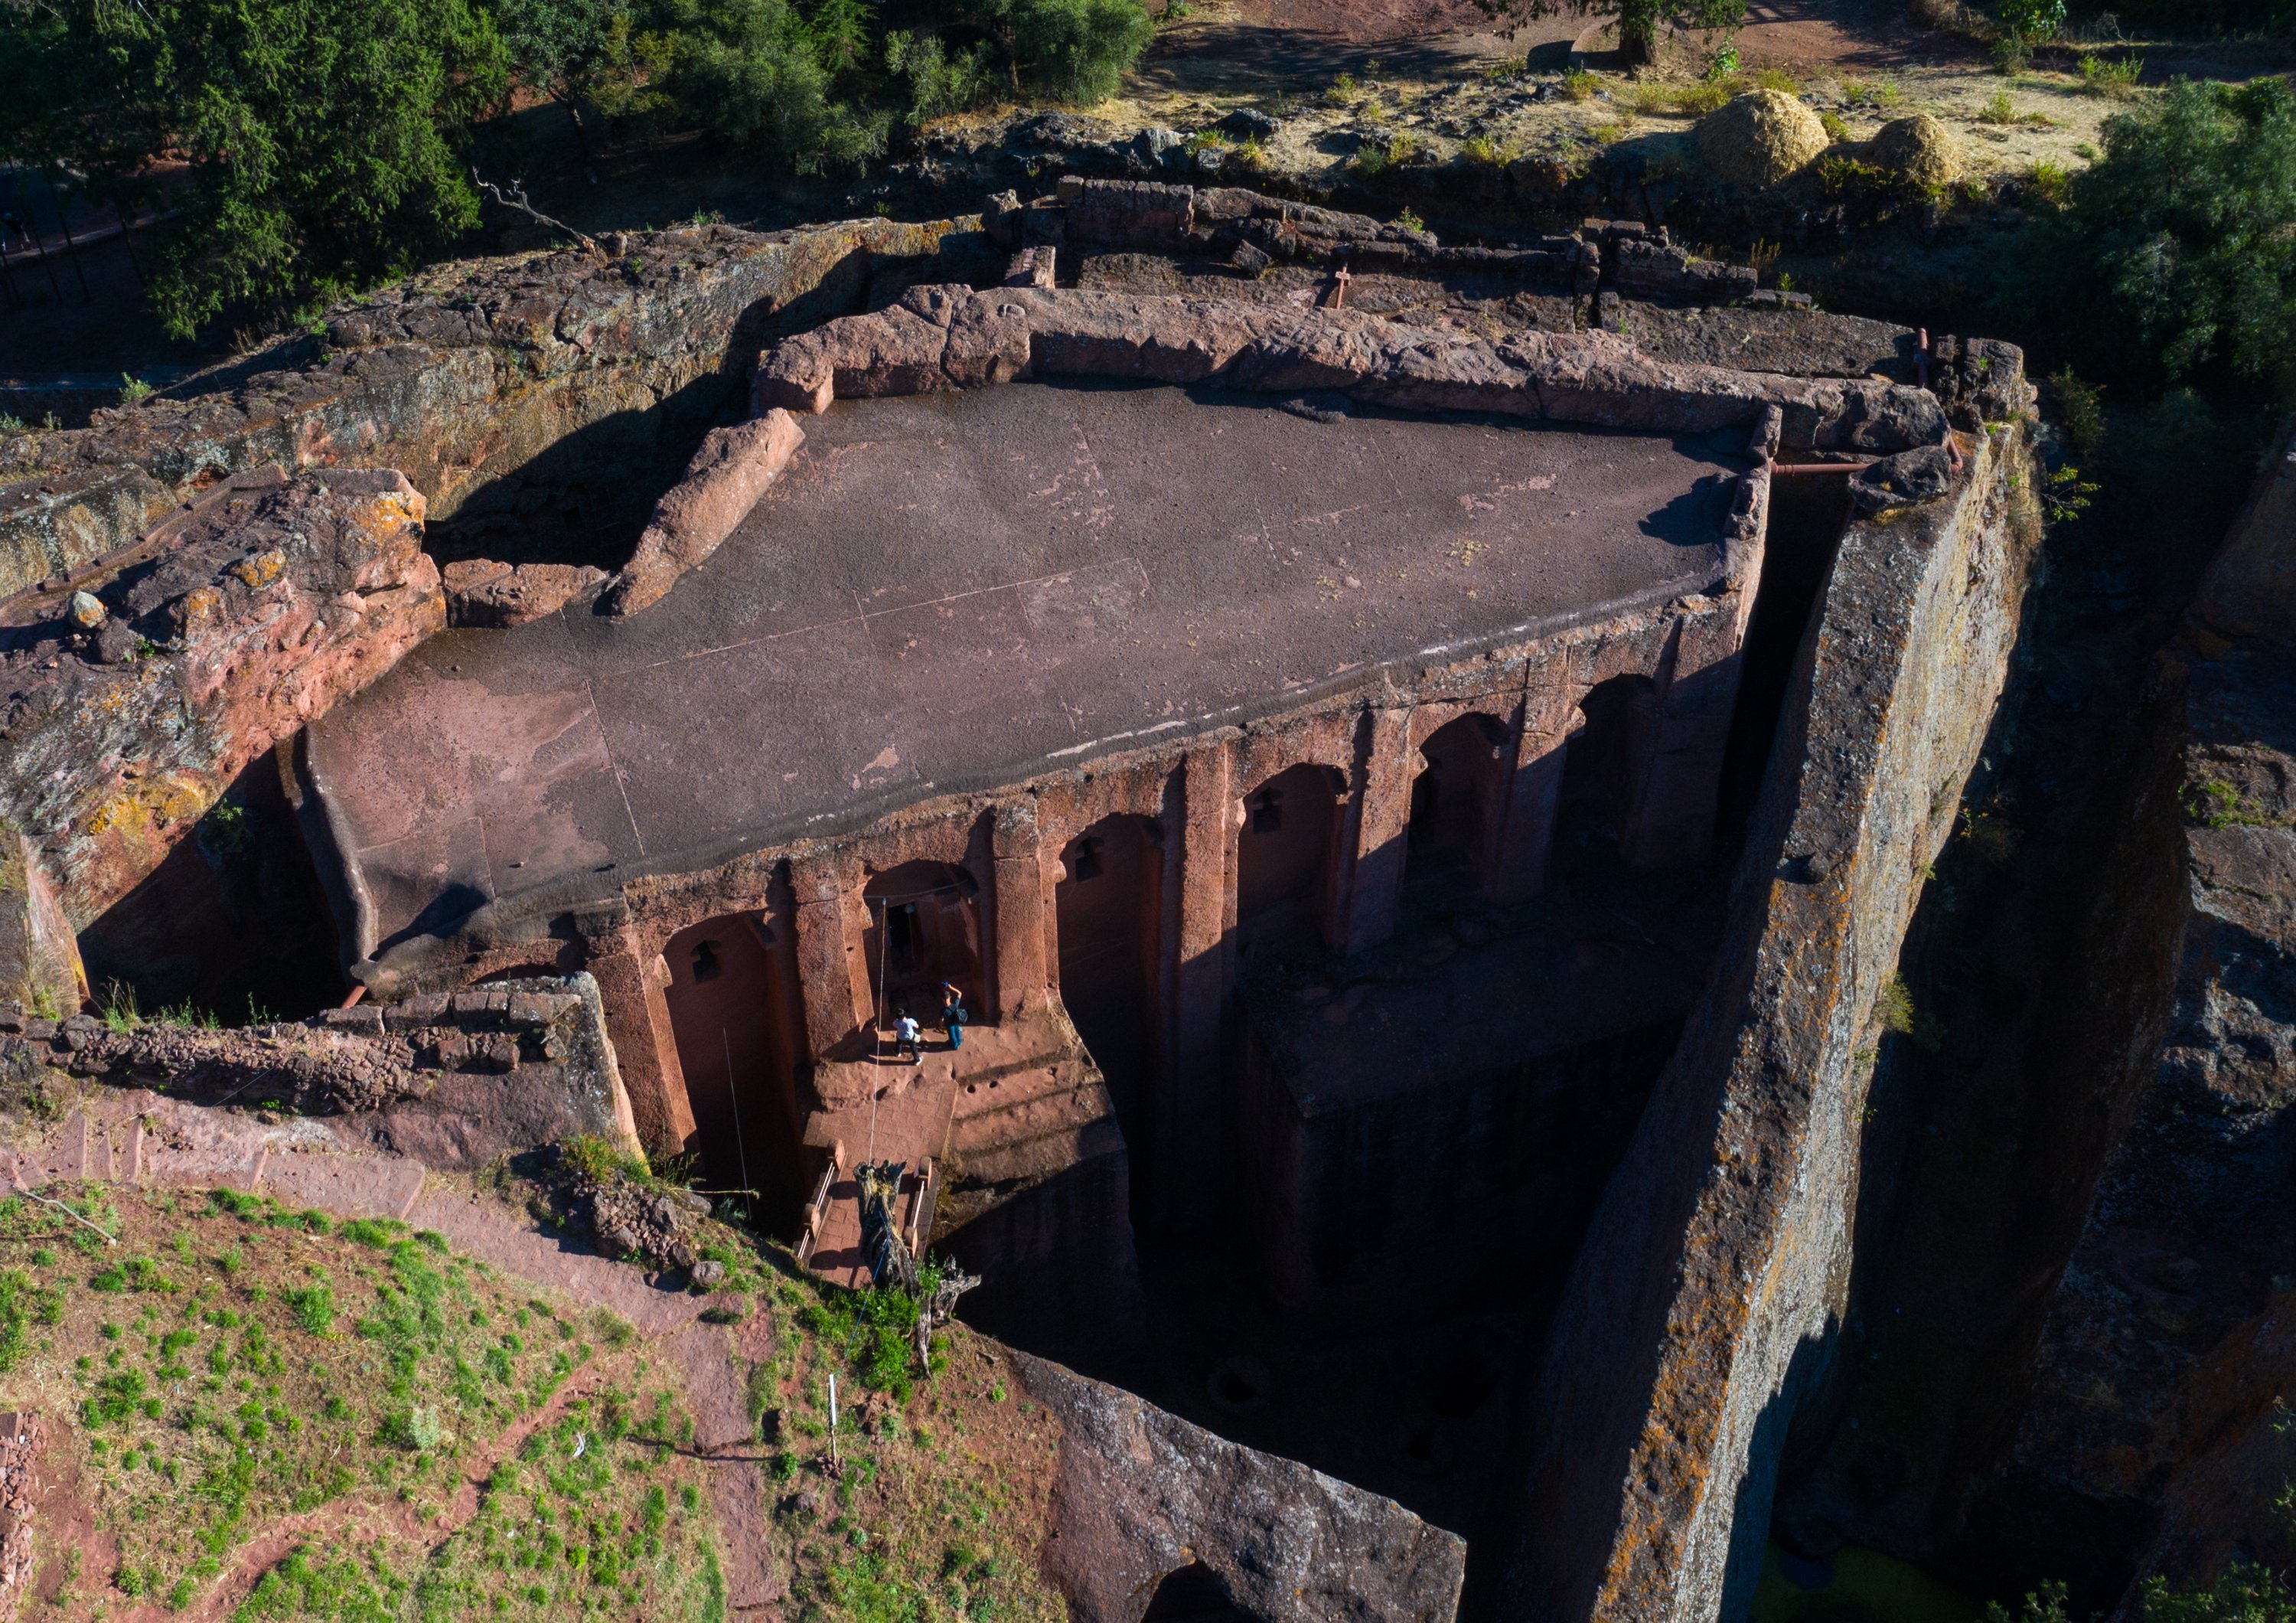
(2158, 1385)
(1721, 1252)
(1570, 377)
(1142, 1494)
(232, 625)
(630, 1218)
(20, 1437)
(488, 592)
(453, 1080)
(461, 377)
(41, 977)
(733, 468)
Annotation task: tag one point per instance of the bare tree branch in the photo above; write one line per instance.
(516, 199)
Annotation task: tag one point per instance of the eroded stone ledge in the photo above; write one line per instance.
(952, 337)
(127, 706)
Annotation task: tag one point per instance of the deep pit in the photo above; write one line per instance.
(1337, 764)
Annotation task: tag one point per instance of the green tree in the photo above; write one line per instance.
(1075, 50)
(563, 49)
(2176, 254)
(324, 136)
(1639, 21)
(762, 74)
(2242, 1593)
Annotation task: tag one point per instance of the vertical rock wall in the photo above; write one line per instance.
(1713, 1283)
(2153, 1438)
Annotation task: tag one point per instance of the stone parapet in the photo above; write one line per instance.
(971, 339)
(488, 1070)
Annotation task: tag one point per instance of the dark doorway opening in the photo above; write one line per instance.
(734, 1012)
(1455, 806)
(1108, 911)
(1283, 863)
(1194, 1595)
(924, 928)
(1599, 768)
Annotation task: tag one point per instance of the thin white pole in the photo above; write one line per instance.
(734, 1098)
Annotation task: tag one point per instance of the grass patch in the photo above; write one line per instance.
(2112, 77)
(1999, 110)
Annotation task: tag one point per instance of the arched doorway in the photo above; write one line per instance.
(924, 928)
(1283, 861)
(732, 1003)
(1608, 743)
(1193, 1594)
(1456, 800)
(1108, 911)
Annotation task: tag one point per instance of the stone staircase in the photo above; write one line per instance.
(1020, 1102)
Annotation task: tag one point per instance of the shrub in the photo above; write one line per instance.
(940, 80)
(2174, 253)
(1076, 50)
(2081, 409)
(1580, 84)
(2050, 182)
(416, 1429)
(2103, 76)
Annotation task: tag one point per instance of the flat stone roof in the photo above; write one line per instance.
(954, 591)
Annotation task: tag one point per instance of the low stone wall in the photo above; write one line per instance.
(128, 705)
(454, 1082)
(464, 377)
(1141, 1494)
(954, 338)
(1711, 1290)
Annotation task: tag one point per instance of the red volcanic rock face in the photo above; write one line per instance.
(227, 628)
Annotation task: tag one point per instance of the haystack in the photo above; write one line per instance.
(1760, 138)
(1918, 148)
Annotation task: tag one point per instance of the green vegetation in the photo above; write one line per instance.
(219, 1389)
(2173, 258)
(2115, 76)
(292, 203)
(451, 1445)
(2244, 1593)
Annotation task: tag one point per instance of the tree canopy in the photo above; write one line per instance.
(323, 135)
(2173, 258)
(329, 142)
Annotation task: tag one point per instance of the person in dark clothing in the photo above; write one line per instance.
(953, 1017)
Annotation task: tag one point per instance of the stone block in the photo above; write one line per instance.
(734, 467)
(426, 1009)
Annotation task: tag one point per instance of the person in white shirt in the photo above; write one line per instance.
(908, 1034)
